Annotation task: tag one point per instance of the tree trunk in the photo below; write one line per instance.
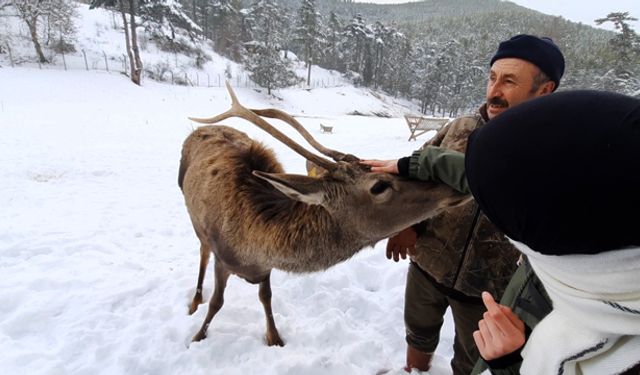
(34, 38)
(194, 13)
(378, 63)
(136, 76)
(127, 40)
(309, 73)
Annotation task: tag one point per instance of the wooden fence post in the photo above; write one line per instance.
(10, 55)
(106, 64)
(64, 61)
(86, 64)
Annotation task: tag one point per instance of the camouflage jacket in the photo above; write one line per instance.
(460, 248)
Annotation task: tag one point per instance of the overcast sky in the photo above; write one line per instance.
(584, 11)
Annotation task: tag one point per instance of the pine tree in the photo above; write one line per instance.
(162, 18)
(287, 32)
(624, 77)
(268, 68)
(196, 9)
(357, 49)
(418, 65)
(226, 26)
(380, 41)
(392, 53)
(332, 56)
(395, 71)
(627, 42)
(308, 34)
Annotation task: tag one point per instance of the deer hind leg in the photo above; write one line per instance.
(217, 299)
(272, 337)
(205, 253)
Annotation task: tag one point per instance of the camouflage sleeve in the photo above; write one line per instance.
(437, 139)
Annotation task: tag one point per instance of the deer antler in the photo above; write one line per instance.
(237, 110)
(283, 116)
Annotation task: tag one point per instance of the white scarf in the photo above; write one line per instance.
(594, 327)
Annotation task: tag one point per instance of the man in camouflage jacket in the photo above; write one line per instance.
(460, 253)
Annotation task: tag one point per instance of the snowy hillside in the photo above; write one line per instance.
(100, 38)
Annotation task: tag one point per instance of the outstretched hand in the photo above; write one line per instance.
(386, 166)
(402, 243)
(501, 332)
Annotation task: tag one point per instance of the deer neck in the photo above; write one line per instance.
(307, 238)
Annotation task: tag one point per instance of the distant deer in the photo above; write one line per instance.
(326, 129)
(253, 217)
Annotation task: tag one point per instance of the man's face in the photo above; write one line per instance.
(510, 83)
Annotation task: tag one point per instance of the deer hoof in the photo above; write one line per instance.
(197, 300)
(193, 307)
(274, 340)
(199, 336)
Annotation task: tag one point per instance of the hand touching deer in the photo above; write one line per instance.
(253, 217)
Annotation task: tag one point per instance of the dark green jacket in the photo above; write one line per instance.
(440, 164)
(526, 296)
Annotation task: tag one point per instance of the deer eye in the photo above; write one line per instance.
(379, 187)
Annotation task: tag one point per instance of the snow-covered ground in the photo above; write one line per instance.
(99, 261)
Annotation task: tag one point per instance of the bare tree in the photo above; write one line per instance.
(37, 12)
(130, 34)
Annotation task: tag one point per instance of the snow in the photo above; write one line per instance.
(98, 257)
(99, 260)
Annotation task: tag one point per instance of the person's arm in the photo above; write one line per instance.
(500, 337)
(402, 243)
(438, 164)
(429, 164)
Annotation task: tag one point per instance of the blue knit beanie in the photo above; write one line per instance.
(541, 52)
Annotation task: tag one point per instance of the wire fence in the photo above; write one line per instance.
(162, 72)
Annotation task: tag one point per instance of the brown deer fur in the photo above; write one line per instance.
(253, 218)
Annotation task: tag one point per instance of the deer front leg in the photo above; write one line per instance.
(205, 253)
(272, 337)
(217, 299)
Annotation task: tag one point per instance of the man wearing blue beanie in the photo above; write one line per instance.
(541, 52)
(516, 57)
(460, 253)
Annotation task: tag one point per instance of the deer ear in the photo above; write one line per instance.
(299, 187)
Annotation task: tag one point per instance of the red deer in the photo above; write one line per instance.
(253, 217)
